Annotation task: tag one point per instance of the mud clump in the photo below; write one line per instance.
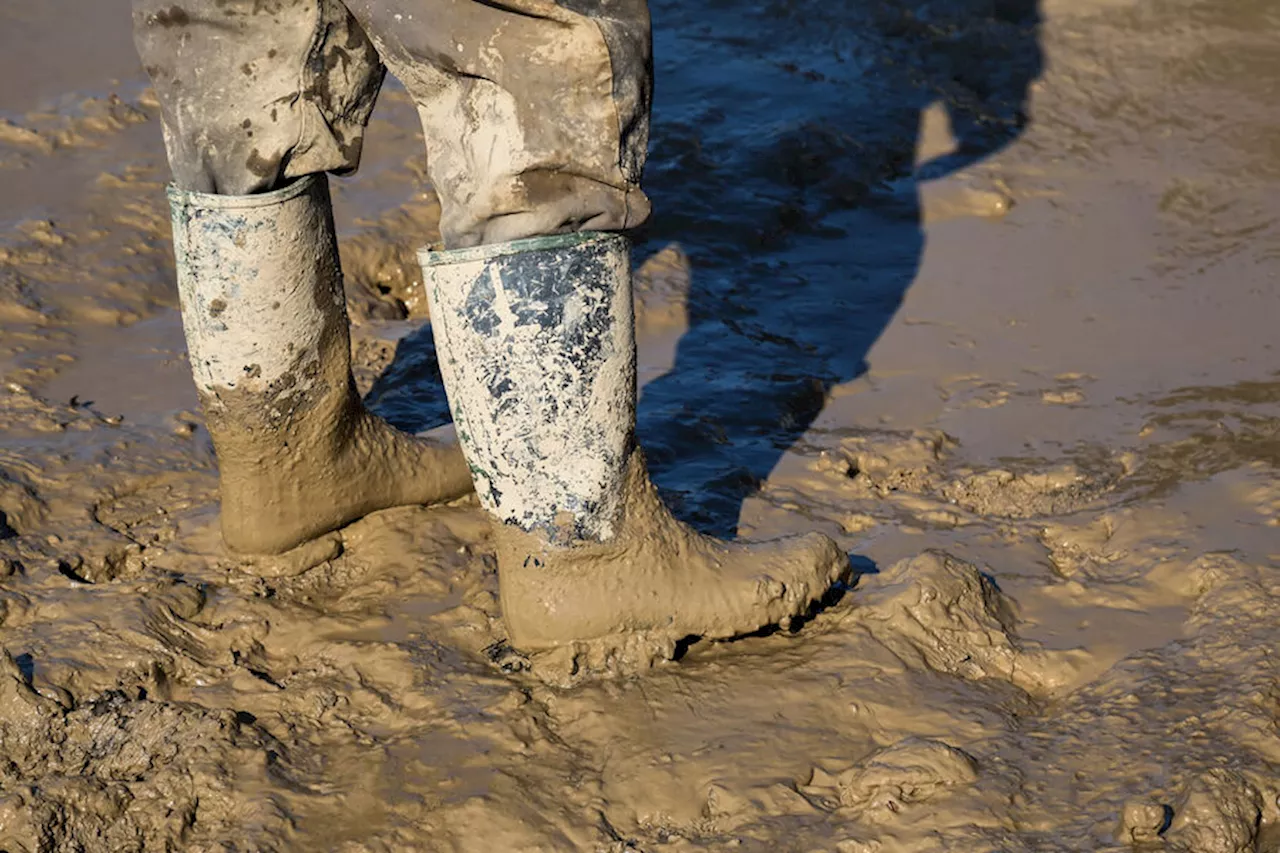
(910, 772)
(1142, 821)
(940, 613)
(887, 462)
(20, 506)
(1220, 812)
(943, 614)
(887, 797)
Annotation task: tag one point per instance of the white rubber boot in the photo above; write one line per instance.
(268, 341)
(537, 348)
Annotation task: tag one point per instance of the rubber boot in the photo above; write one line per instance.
(269, 345)
(537, 348)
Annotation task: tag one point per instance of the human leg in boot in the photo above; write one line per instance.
(537, 349)
(537, 125)
(249, 138)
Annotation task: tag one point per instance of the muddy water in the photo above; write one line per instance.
(985, 290)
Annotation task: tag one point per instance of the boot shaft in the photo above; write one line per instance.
(261, 291)
(536, 344)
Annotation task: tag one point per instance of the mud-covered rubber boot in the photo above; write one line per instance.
(537, 348)
(269, 345)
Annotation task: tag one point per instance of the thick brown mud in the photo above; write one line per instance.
(1056, 473)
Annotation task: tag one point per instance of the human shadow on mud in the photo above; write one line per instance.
(783, 161)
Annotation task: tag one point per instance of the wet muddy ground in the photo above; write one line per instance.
(986, 290)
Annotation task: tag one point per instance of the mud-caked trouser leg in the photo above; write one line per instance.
(537, 349)
(255, 93)
(535, 112)
(258, 100)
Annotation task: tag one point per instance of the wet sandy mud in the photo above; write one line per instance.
(986, 291)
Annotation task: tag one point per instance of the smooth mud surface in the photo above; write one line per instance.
(985, 291)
